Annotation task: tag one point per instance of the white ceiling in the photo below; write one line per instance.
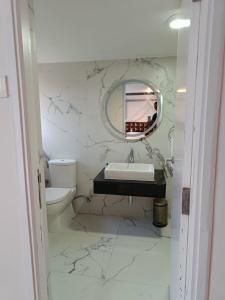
(83, 30)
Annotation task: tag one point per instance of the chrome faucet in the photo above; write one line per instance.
(130, 158)
(169, 165)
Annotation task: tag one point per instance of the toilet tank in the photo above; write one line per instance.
(62, 173)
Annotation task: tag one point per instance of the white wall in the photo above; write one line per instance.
(217, 277)
(71, 99)
(16, 278)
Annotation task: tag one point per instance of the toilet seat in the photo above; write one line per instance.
(56, 195)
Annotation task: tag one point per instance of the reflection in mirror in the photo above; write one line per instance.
(140, 109)
(132, 109)
(115, 108)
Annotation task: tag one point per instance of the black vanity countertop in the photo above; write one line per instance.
(155, 189)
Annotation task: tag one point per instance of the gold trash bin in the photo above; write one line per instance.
(160, 212)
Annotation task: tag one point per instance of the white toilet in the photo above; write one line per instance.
(61, 193)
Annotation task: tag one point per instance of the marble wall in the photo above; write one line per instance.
(71, 96)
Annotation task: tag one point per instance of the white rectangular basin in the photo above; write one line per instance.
(129, 171)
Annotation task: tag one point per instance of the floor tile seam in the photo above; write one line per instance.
(76, 275)
(142, 284)
(139, 254)
(153, 283)
(100, 280)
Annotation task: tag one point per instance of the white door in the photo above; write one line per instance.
(186, 80)
(26, 51)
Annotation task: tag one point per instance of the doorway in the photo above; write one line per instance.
(111, 247)
(54, 104)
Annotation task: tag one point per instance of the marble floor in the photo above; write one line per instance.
(109, 258)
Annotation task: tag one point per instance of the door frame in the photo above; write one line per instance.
(204, 146)
(27, 83)
(208, 87)
(217, 274)
(19, 265)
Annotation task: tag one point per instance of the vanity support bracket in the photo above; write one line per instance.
(186, 192)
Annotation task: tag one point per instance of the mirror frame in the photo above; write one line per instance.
(112, 129)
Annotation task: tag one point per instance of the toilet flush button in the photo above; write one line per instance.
(4, 87)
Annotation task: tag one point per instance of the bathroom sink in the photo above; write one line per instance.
(129, 171)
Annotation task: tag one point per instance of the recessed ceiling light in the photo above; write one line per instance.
(182, 91)
(178, 22)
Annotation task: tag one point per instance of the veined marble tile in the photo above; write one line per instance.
(138, 227)
(77, 240)
(131, 244)
(89, 255)
(71, 96)
(92, 223)
(93, 265)
(117, 290)
(88, 288)
(66, 287)
(139, 259)
(139, 267)
(86, 261)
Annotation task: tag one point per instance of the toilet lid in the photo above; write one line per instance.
(55, 195)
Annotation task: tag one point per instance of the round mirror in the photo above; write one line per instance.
(132, 109)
